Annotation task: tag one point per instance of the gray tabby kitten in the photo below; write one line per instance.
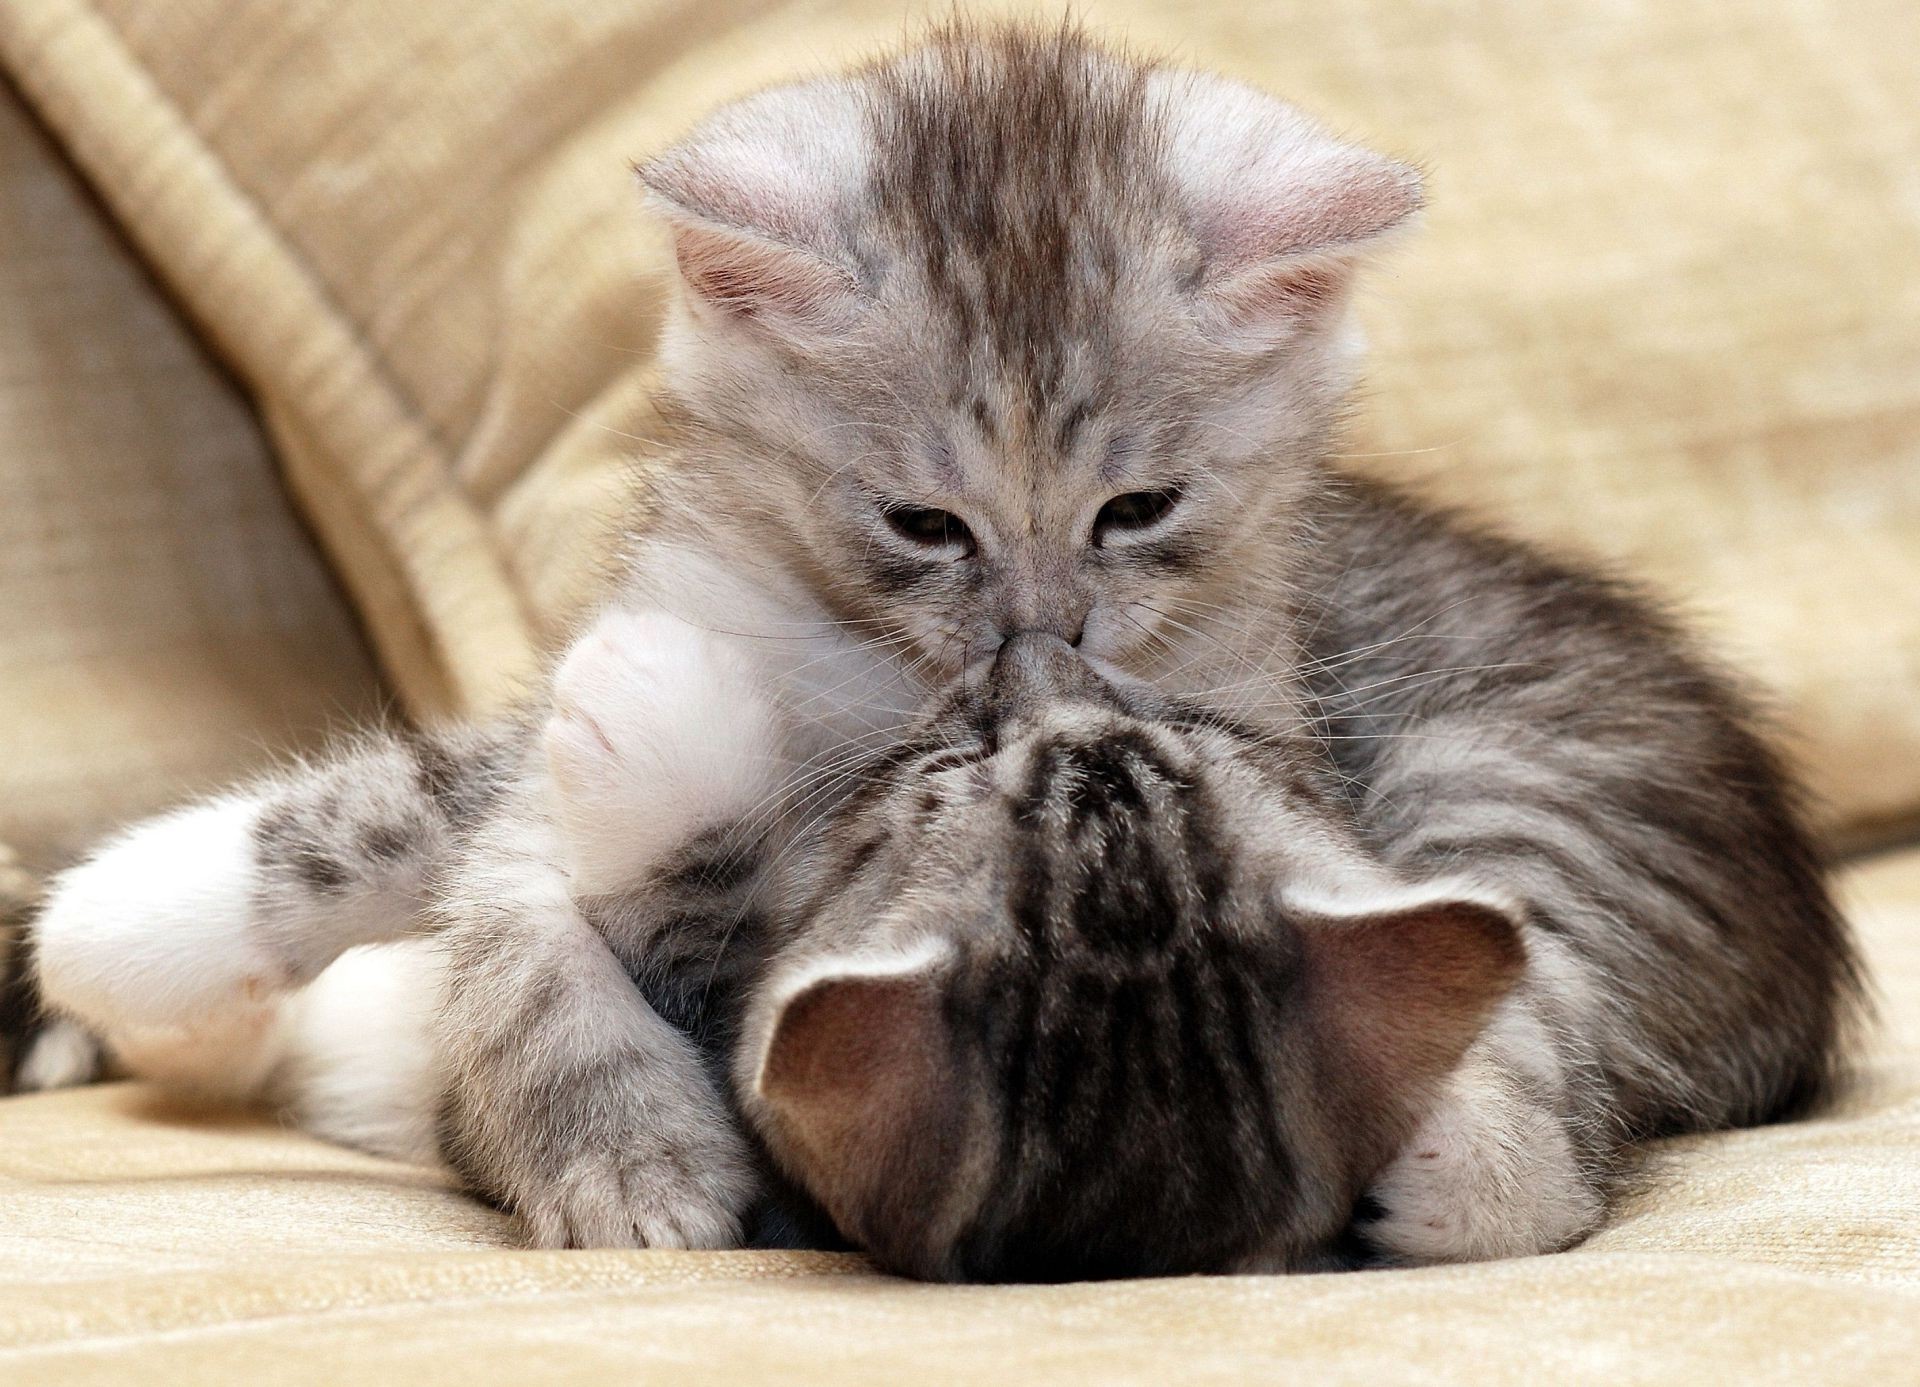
(1014, 334)
(1135, 1000)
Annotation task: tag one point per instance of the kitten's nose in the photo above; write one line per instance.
(1070, 629)
(1034, 665)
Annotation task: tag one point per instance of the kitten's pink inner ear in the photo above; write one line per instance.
(1282, 294)
(1281, 207)
(749, 278)
(1318, 207)
(1404, 992)
(856, 1061)
(1291, 257)
(754, 196)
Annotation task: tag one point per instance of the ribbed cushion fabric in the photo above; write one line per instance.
(165, 622)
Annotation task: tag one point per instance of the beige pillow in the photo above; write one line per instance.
(1665, 307)
(165, 624)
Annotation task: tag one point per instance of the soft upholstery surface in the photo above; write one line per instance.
(164, 620)
(1666, 306)
(144, 1240)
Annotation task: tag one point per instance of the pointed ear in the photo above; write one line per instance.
(756, 197)
(858, 1076)
(1283, 210)
(1403, 985)
(746, 277)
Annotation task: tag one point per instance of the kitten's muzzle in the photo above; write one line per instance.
(1063, 625)
(1034, 668)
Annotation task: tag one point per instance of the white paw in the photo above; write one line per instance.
(229, 1057)
(1487, 1174)
(659, 730)
(156, 929)
(61, 1056)
(650, 1192)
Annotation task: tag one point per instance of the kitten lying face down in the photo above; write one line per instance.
(1081, 982)
(1010, 334)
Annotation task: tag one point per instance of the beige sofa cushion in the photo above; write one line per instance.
(145, 1241)
(1665, 307)
(164, 621)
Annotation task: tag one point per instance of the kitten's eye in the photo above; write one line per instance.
(936, 529)
(1136, 510)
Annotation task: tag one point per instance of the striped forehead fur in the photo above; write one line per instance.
(1024, 166)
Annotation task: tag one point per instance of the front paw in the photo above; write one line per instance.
(647, 1192)
(1487, 1174)
(659, 731)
